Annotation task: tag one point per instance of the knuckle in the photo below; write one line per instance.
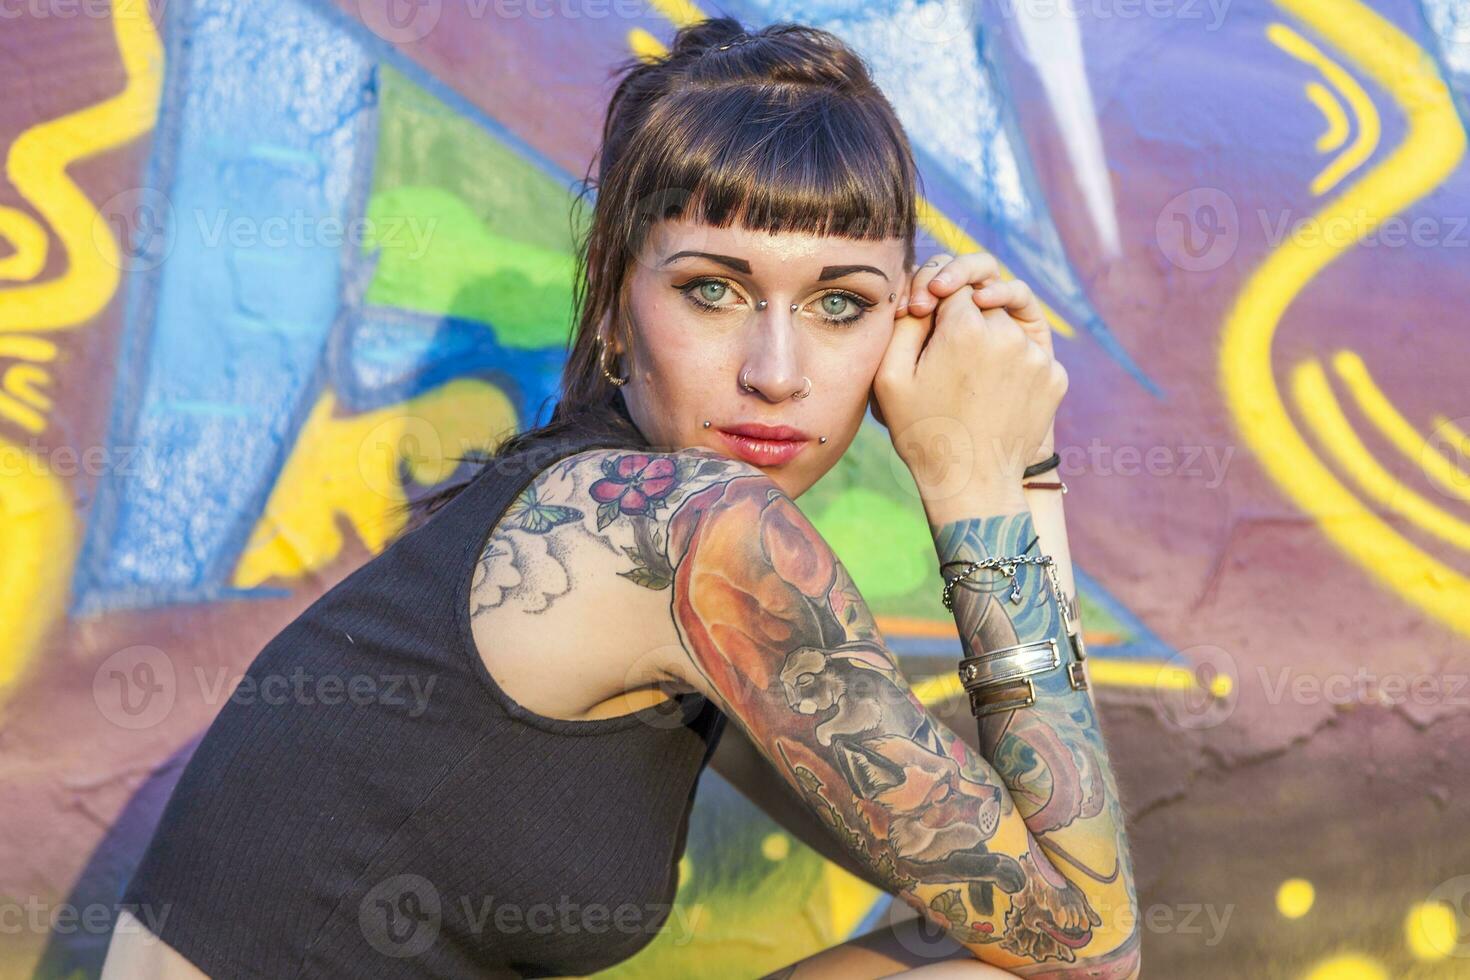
(956, 313)
(1009, 336)
(1061, 378)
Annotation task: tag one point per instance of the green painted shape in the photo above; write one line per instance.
(883, 543)
(467, 227)
(871, 469)
(459, 268)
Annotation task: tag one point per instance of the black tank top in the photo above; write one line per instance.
(370, 803)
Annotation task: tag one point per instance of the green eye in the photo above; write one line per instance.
(836, 300)
(707, 293)
(837, 308)
(832, 306)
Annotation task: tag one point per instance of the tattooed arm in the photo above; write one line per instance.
(1050, 755)
(770, 625)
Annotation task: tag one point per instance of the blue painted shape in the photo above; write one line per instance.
(388, 356)
(383, 52)
(267, 106)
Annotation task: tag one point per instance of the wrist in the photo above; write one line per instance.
(985, 501)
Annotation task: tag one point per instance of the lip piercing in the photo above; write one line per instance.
(891, 296)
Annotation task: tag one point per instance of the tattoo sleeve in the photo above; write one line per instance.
(1050, 756)
(1019, 856)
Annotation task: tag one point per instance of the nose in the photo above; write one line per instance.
(771, 366)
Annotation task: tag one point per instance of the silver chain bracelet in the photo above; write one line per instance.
(1001, 680)
(1007, 567)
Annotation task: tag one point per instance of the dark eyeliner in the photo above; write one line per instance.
(689, 287)
(863, 304)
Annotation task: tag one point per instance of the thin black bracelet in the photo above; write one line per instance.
(1050, 463)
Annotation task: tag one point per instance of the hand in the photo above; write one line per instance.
(942, 275)
(971, 363)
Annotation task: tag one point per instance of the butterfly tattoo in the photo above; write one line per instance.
(527, 513)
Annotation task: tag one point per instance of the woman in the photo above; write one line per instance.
(581, 619)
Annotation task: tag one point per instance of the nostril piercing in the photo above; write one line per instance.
(761, 305)
(793, 307)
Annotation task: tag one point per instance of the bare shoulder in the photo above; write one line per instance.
(596, 502)
(578, 569)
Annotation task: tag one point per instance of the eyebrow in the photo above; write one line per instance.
(740, 265)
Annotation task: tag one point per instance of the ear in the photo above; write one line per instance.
(866, 654)
(867, 772)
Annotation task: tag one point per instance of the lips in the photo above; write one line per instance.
(756, 430)
(764, 445)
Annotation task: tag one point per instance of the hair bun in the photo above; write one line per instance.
(696, 39)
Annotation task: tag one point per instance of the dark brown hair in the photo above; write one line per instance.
(781, 129)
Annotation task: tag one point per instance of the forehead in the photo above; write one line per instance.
(769, 254)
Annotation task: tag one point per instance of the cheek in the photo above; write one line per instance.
(665, 343)
(682, 360)
(878, 345)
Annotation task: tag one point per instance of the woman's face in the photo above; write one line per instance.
(692, 295)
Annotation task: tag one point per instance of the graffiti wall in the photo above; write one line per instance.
(266, 267)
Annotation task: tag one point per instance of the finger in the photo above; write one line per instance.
(1021, 304)
(921, 301)
(1013, 294)
(972, 269)
(953, 321)
(1003, 324)
(910, 334)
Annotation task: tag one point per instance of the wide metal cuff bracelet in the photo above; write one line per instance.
(1000, 680)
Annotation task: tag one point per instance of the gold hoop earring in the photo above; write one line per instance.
(602, 363)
